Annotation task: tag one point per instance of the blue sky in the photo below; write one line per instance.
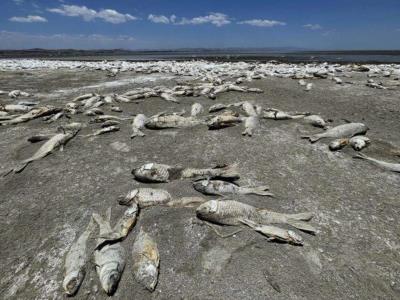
(166, 24)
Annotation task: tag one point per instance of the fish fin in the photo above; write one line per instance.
(248, 222)
(307, 216)
(258, 190)
(301, 225)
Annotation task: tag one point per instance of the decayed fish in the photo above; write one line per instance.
(76, 260)
(103, 118)
(104, 130)
(249, 109)
(251, 124)
(138, 123)
(359, 142)
(109, 123)
(145, 197)
(33, 114)
(219, 187)
(315, 121)
(384, 165)
(55, 117)
(171, 121)
(110, 258)
(276, 233)
(153, 172)
(146, 260)
(17, 108)
(342, 131)
(338, 144)
(55, 142)
(169, 97)
(229, 212)
(83, 97)
(275, 114)
(197, 109)
(223, 120)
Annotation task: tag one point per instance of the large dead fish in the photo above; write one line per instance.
(57, 141)
(171, 121)
(223, 120)
(384, 165)
(110, 258)
(219, 187)
(33, 114)
(146, 260)
(153, 172)
(76, 260)
(250, 125)
(138, 123)
(249, 109)
(145, 197)
(342, 131)
(229, 212)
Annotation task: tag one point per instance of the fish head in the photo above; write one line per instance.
(127, 200)
(151, 173)
(110, 280)
(73, 281)
(208, 210)
(295, 238)
(200, 185)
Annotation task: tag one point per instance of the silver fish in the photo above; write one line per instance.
(275, 114)
(218, 187)
(229, 212)
(276, 233)
(342, 131)
(197, 109)
(51, 119)
(110, 258)
(338, 144)
(138, 123)
(76, 260)
(146, 260)
(83, 97)
(384, 165)
(146, 197)
(103, 118)
(93, 112)
(251, 124)
(359, 142)
(104, 130)
(17, 108)
(116, 109)
(90, 102)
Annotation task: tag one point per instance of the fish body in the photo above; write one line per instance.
(75, 262)
(251, 124)
(109, 123)
(219, 187)
(309, 86)
(32, 114)
(224, 172)
(196, 109)
(171, 121)
(17, 108)
(110, 258)
(342, 131)
(359, 142)
(83, 97)
(138, 123)
(146, 260)
(169, 97)
(146, 197)
(105, 130)
(249, 109)
(153, 172)
(223, 120)
(393, 167)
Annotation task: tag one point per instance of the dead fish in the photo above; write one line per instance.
(197, 109)
(146, 260)
(87, 103)
(169, 97)
(116, 109)
(33, 114)
(171, 121)
(309, 86)
(138, 123)
(281, 115)
(223, 120)
(359, 142)
(17, 93)
(146, 197)
(251, 124)
(254, 90)
(384, 165)
(109, 123)
(275, 233)
(103, 118)
(217, 107)
(93, 112)
(186, 202)
(123, 99)
(51, 119)
(342, 131)
(72, 105)
(218, 187)
(302, 82)
(17, 108)
(338, 144)
(74, 126)
(315, 121)
(104, 130)
(76, 260)
(249, 109)
(110, 258)
(337, 80)
(153, 172)
(83, 97)
(229, 212)
(55, 142)
(109, 99)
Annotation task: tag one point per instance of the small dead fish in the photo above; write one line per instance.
(51, 119)
(90, 102)
(76, 260)
(338, 144)
(138, 123)
(109, 123)
(104, 130)
(359, 142)
(315, 121)
(223, 120)
(116, 109)
(146, 197)
(146, 260)
(217, 107)
(276, 233)
(302, 82)
(254, 90)
(229, 212)
(337, 80)
(342, 131)
(309, 86)
(281, 115)
(171, 121)
(382, 164)
(169, 97)
(110, 258)
(18, 93)
(103, 118)
(197, 109)
(74, 126)
(33, 114)
(218, 187)
(17, 108)
(251, 124)
(83, 97)
(93, 112)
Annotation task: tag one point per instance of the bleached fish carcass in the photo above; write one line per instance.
(33, 114)
(196, 109)
(226, 119)
(251, 124)
(171, 121)
(342, 131)
(146, 197)
(393, 167)
(138, 123)
(359, 142)
(315, 121)
(219, 187)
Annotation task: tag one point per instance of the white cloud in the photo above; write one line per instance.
(28, 19)
(313, 26)
(107, 15)
(19, 40)
(18, 2)
(217, 19)
(161, 19)
(263, 23)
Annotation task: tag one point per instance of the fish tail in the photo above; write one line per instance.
(258, 190)
(230, 171)
(302, 225)
(247, 132)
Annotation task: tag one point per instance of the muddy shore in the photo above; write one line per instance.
(355, 254)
